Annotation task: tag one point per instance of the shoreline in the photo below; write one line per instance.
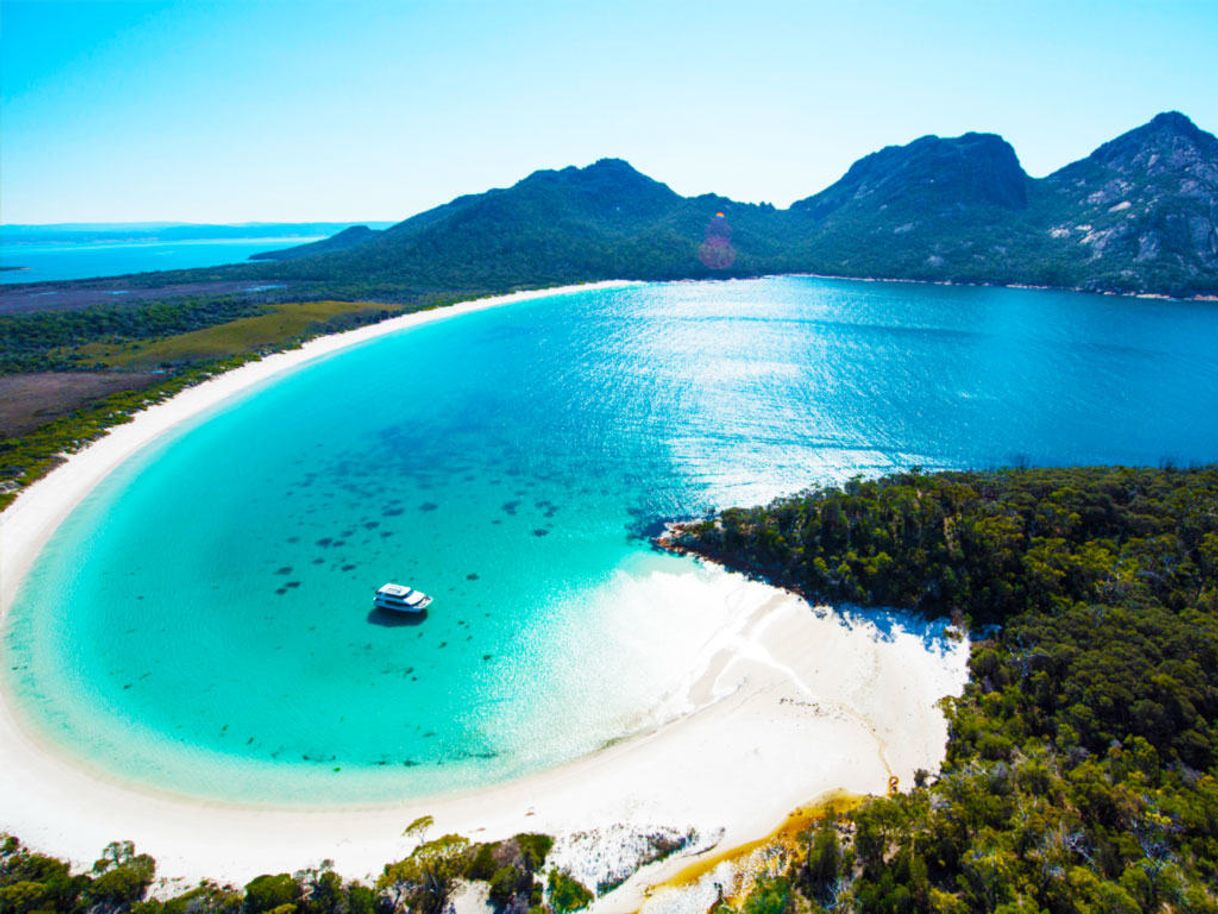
(1034, 287)
(784, 680)
(1210, 296)
(853, 701)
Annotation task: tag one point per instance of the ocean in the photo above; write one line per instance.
(45, 261)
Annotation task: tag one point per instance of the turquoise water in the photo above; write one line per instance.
(46, 261)
(202, 622)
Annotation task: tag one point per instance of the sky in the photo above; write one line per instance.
(300, 110)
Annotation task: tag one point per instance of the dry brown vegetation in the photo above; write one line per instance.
(30, 400)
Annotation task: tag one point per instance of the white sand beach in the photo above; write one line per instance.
(784, 704)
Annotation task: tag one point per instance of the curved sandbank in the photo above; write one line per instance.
(785, 703)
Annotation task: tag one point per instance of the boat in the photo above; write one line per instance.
(399, 598)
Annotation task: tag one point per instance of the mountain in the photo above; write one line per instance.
(1137, 215)
(603, 221)
(920, 211)
(931, 173)
(1142, 209)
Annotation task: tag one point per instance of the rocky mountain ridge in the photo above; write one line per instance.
(1138, 215)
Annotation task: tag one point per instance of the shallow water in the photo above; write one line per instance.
(202, 622)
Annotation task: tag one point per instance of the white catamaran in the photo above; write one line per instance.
(399, 598)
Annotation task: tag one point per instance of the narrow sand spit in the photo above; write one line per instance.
(785, 703)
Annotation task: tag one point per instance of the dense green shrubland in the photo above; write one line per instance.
(985, 545)
(47, 340)
(421, 883)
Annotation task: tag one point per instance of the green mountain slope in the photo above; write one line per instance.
(936, 209)
(603, 221)
(1138, 215)
(944, 175)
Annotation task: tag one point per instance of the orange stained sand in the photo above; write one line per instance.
(785, 837)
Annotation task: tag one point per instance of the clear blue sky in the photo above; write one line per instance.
(298, 110)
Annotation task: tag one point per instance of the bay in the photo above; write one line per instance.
(202, 623)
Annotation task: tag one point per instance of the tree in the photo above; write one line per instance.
(566, 893)
(266, 893)
(423, 881)
(822, 867)
(418, 828)
(121, 877)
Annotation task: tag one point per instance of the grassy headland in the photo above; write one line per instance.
(267, 331)
(154, 351)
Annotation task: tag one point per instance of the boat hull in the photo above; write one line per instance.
(396, 606)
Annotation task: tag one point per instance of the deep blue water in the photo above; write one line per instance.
(202, 621)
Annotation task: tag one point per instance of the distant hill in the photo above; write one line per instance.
(927, 210)
(977, 169)
(347, 238)
(1137, 215)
